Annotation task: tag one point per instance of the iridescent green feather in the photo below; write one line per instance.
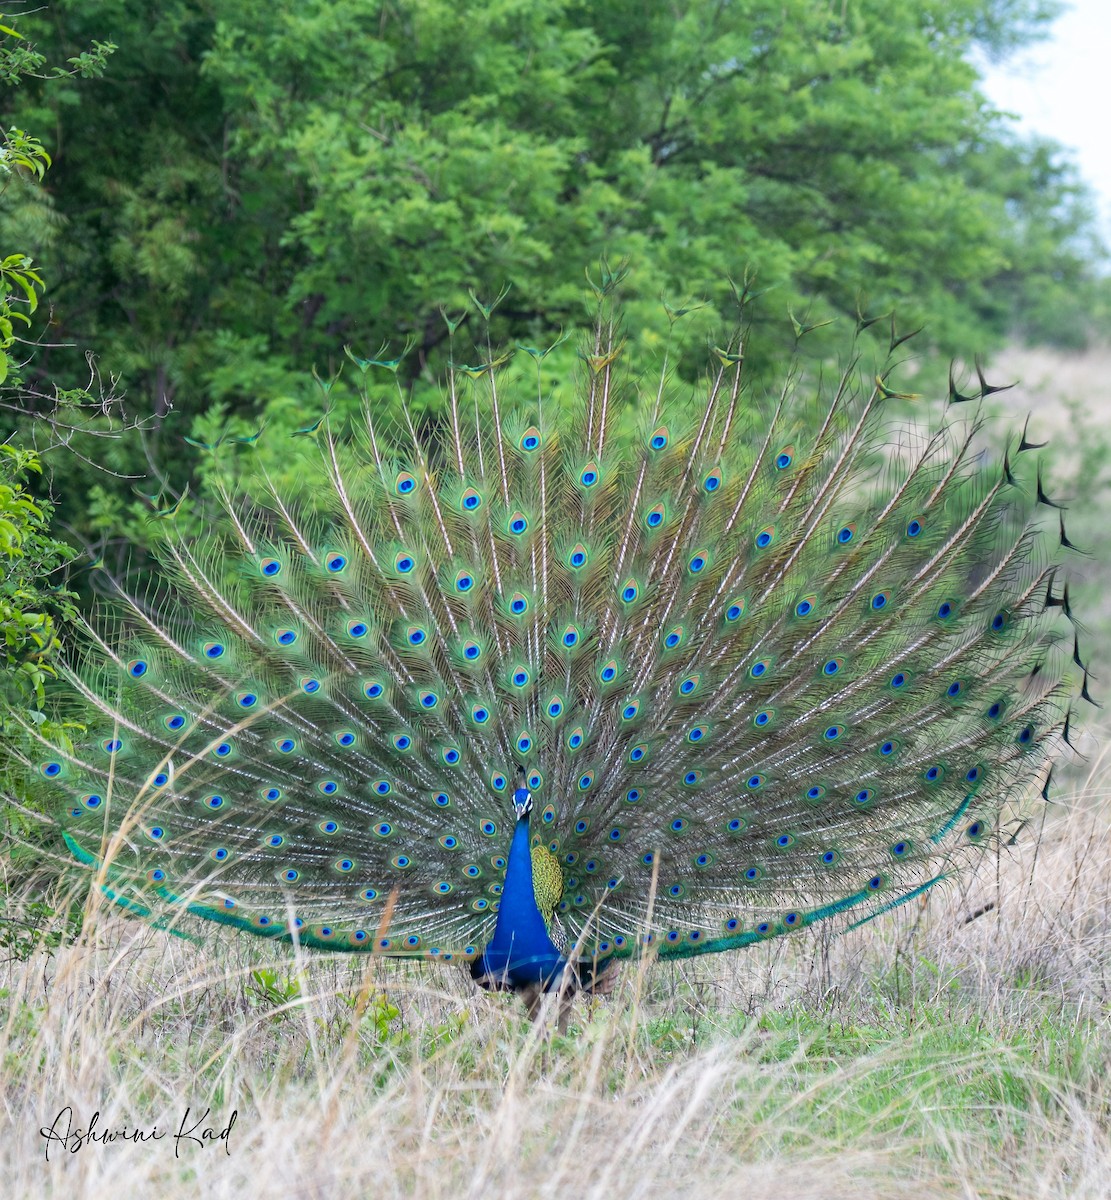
(761, 669)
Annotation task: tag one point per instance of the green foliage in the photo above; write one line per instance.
(22, 155)
(20, 60)
(31, 602)
(38, 926)
(32, 596)
(259, 184)
(16, 276)
(20, 283)
(29, 556)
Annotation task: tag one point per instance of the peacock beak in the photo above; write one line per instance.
(522, 803)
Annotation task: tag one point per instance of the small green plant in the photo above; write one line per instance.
(378, 1016)
(38, 926)
(268, 989)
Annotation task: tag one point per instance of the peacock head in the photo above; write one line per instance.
(522, 802)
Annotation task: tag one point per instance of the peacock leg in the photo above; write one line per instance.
(533, 996)
(605, 980)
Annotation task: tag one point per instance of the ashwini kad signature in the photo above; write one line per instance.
(193, 1130)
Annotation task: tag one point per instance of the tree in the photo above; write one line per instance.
(30, 595)
(32, 592)
(259, 184)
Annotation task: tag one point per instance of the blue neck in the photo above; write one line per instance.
(520, 952)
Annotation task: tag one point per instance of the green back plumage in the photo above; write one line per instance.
(760, 666)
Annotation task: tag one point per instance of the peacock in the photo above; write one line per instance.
(544, 686)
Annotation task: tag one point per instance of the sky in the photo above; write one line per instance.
(1062, 88)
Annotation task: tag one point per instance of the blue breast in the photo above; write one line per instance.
(521, 951)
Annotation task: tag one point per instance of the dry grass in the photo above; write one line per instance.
(924, 1055)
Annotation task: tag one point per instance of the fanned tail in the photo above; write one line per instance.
(762, 664)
